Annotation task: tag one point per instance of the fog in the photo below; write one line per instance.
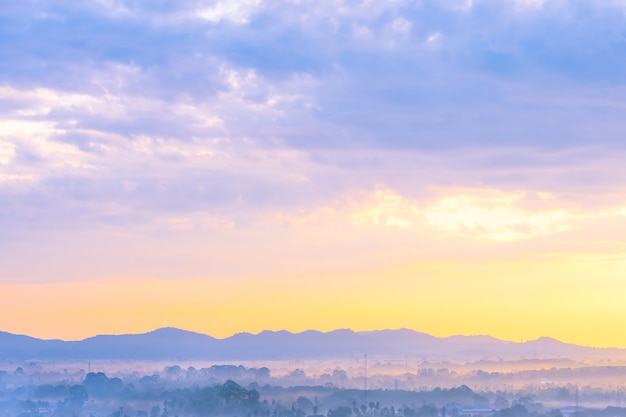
(333, 388)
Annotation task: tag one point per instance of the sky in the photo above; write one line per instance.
(453, 167)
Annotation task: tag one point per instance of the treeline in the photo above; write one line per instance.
(228, 399)
(99, 395)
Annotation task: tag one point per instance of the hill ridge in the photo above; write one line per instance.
(176, 343)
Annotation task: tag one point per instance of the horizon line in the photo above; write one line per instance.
(306, 331)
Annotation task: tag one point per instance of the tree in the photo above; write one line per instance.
(304, 404)
(342, 411)
(556, 413)
(78, 395)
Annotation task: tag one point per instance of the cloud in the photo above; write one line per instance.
(494, 215)
(484, 214)
(120, 112)
(413, 75)
(217, 141)
(236, 11)
(7, 152)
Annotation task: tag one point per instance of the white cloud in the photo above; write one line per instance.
(387, 209)
(496, 216)
(34, 136)
(237, 79)
(533, 4)
(40, 101)
(401, 25)
(7, 152)
(487, 214)
(237, 11)
(15, 177)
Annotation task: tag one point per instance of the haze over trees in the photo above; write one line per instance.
(233, 390)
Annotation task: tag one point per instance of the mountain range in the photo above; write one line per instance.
(176, 344)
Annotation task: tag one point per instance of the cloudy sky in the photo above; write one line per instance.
(455, 167)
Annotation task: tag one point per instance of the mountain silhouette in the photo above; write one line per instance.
(176, 344)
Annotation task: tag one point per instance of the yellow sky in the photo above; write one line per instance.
(514, 265)
(576, 299)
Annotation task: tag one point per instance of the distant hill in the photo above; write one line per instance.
(176, 344)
